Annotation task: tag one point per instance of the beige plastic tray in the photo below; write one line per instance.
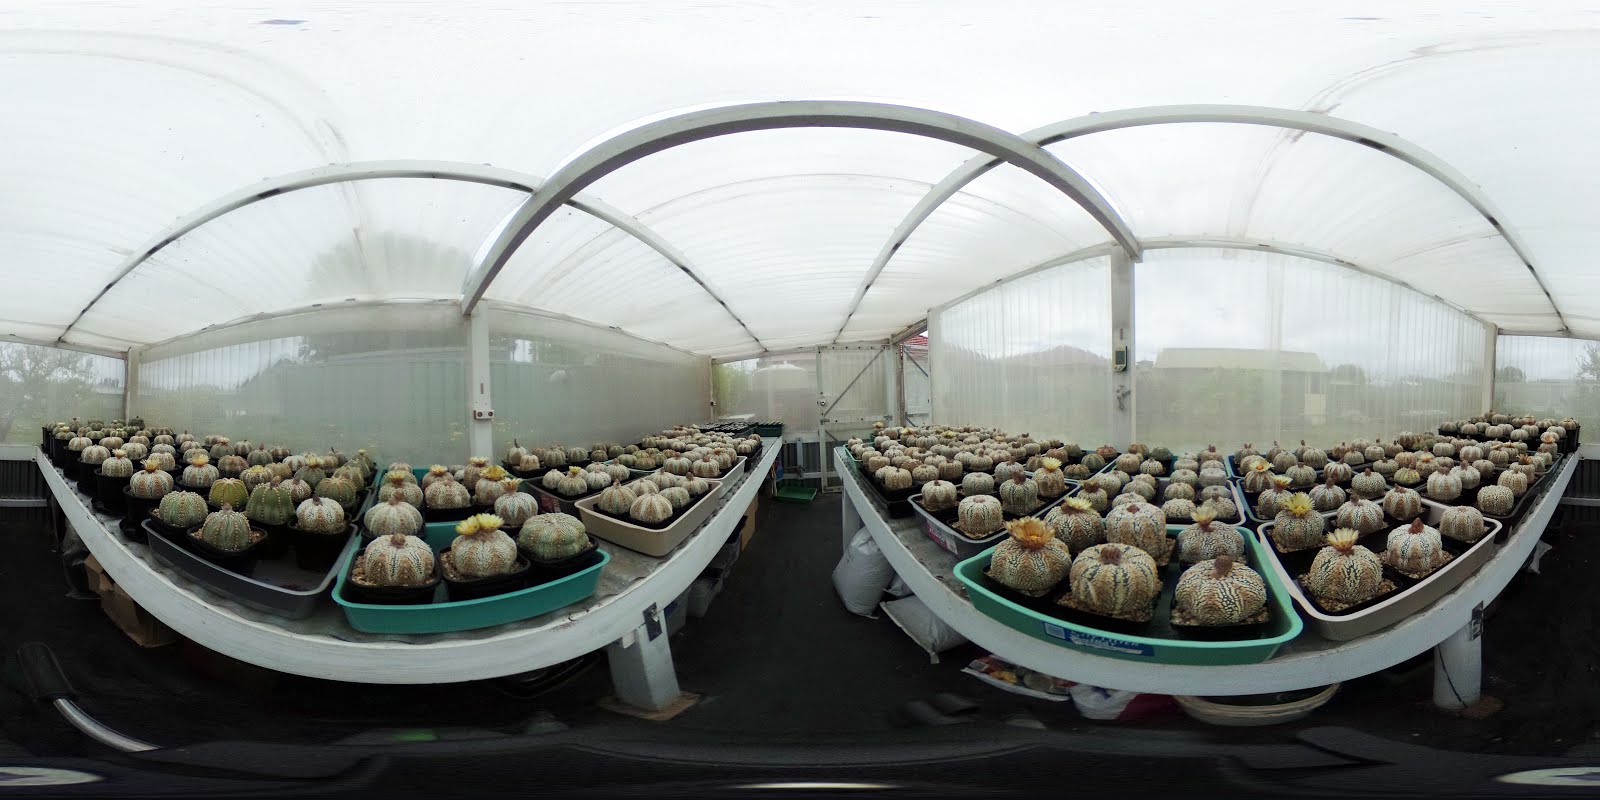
(1403, 603)
(650, 541)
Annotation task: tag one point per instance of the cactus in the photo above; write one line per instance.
(231, 466)
(978, 516)
(1177, 490)
(230, 492)
(94, 455)
(183, 509)
(1207, 539)
(445, 493)
(975, 483)
(1117, 580)
(476, 466)
(644, 487)
(1338, 472)
(1019, 495)
(355, 475)
(709, 467)
(152, 483)
(678, 496)
(270, 504)
(1497, 500)
(1297, 525)
(1403, 504)
(1463, 523)
(1031, 560)
(572, 483)
(651, 509)
(395, 516)
(553, 537)
(1360, 514)
(258, 457)
(255, 476)
(219, 448)
(312, 472)
(1141, 525)
(938, 495)
(515, 452)
(1344, 572)
(1219, 592)
(616, 500)
(1368, 485)
(117, 466)
(338, 490)
(513, 506)
(398, 560)
(299, 491)
(226, 530)
(199, 473)
(489, 486)
(318, 515)
(1223, 506)
(1415, 549)
(1270, 501)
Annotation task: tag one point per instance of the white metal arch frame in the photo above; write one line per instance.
(621, 150)
(379, 170)
(1307, 121)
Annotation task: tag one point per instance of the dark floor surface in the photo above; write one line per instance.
(777, 656)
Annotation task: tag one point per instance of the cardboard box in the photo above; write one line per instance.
(747, 526)
(99, 580)
(138, 623)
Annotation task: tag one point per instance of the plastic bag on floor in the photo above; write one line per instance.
(923, 626)
(862, 575)
(1097, 703)
(898, 588)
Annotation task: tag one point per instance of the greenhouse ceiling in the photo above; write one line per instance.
(169, 168)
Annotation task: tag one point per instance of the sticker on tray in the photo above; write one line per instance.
(1097, 642)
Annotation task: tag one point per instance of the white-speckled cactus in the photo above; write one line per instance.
(1360, 514)
(397, 560)
(1117, 580)
(1344, 572)
(393, 516)
(979, 516)
(1463, 523)
(319, 515)
(1207, 538)
(1031, 560)
(1415, 549)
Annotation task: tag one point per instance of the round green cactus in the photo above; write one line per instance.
(339, 490)
(552, 537)
(226, 530)
(270, 504)
(312, 472)
(183, 509)
(229, 492)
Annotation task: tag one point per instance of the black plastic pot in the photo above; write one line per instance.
(542, 572)
(476, 588)
(135, 509)
(316, 552)
(389, 595)
(276, 545)
(70, 466)
(447, 514)
(108, 490)
(242, 562)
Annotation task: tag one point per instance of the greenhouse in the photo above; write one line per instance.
(807, 389)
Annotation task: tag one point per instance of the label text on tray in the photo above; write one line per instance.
(1097, 642)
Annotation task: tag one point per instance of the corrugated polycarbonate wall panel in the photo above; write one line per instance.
(41, 385)
(1032, 355)
(771, 388)
(560, 382)
(1241, 346)
(390, 379)
(1548, 377)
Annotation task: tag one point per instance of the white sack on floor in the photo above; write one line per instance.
(862, 574)
(924, 628)
(898, 588)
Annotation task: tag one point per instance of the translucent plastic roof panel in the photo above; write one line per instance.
(1514, 128)
(352, 242)
(1253, 182)
(578, 265)
(132, 114)
(787, 253)
(1005, 221)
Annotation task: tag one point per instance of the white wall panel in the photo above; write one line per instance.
(1237, 346)
(770, 388)
(1548, 377)
(563, 382)
(391, 379)
(1032, 355)
(41, 385)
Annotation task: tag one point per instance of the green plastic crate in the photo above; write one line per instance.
(1284, 625)
(442, 617)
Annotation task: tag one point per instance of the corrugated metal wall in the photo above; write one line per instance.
(40, 385)
(565, 382)
(1031, 355)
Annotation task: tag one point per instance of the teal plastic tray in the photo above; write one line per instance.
(1160, 648)
(484, 612)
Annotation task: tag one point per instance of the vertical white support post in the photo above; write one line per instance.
(894, 400)
(1122, 390)
(1458, 668)
(130, 388)
(1491, 364)
(641, 668)
(480, 424)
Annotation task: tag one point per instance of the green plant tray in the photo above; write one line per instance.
(793, 492)
(1160, 645)
(484, 612)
